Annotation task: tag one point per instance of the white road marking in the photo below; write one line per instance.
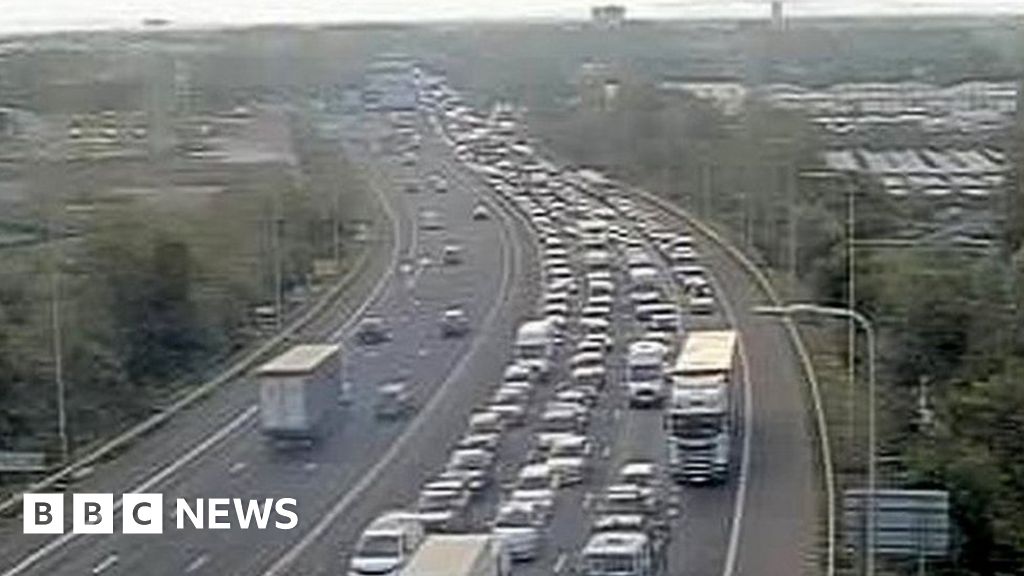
(236, 468)
(560, 563)
(197, 563)
(105, 563)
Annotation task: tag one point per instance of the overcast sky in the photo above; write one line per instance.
(24, 15)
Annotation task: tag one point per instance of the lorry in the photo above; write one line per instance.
(698, 416)
(645, 373)
(459, 555)
(535, 345)
(296, 390)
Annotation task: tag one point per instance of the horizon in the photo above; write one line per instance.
(25, 17)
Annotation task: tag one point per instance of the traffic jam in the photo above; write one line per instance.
(627, 332)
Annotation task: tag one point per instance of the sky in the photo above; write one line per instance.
(42, 15)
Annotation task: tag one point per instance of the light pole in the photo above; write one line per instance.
(57, 343)
(869, 332)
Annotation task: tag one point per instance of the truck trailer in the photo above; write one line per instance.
(296, 390)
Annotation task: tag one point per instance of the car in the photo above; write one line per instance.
(628, 499)
(576, 395)
(475, 465)
(519, 524)
(519, 372)
(485, 422)
(536, 483)
(442, 505)
(568, 470)
(560, 309)
(596, 311)
(587, 358)
(645, 297)
(372, 331)
(510, 414)
(480, 212)
(488, 441)
(642, 473)
(431, 220)
(511, 396)
(451, 254)
(386, 544)
(563, 419)
(394, 400)
(454, 323)
(594, 343)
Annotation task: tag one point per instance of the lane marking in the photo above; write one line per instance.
(197, 563)
(105, 563)
(560, 563)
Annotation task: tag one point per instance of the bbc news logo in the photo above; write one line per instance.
(144, 514)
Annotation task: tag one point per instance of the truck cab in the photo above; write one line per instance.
(535, 345)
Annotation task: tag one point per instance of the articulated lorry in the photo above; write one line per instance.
(296, 390)
(698, 415)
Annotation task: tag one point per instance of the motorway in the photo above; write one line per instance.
(759, 522)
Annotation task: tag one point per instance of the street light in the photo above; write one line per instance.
(869, 331)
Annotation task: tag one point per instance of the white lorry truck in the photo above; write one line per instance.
(645, 373)
(459, 555)
(535, 345)
(698, 416)
(296, 390)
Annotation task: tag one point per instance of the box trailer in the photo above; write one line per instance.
(296, 390)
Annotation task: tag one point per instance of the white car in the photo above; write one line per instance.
(536, 483)
(519, 524)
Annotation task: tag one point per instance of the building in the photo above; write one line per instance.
(392, 85)
(609, 16)
(598, 85)
(778, 18)
(949, 190)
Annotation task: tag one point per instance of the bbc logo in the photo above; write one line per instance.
(143, 513)
(92, 514)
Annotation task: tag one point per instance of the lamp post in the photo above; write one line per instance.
(869, 332)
